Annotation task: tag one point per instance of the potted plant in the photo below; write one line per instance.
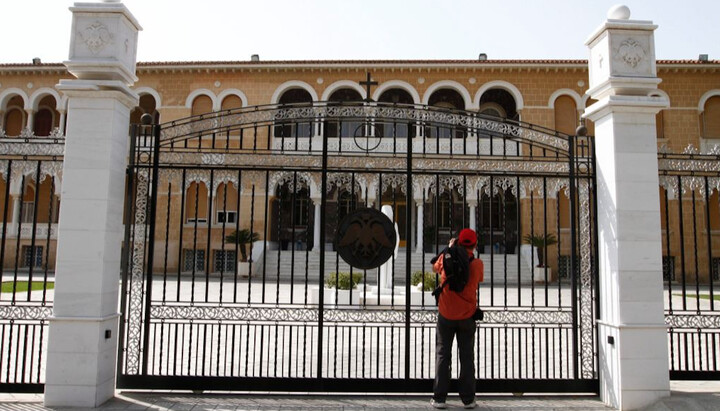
(540, 243)
(423, 285)
(242, 238)
(338, 288)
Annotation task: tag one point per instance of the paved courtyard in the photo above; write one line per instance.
(686, 395)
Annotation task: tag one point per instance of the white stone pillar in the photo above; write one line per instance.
(420, 226)
(61, 126)
(17, 201)
(30, 119)
(472, 204)
(316, 224)
(83, 333)
(633, 352)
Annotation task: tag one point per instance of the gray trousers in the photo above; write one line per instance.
(446, 331)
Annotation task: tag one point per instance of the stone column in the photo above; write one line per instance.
(633, 352)
(83, 338)
(472, 204)
(420, 225)
(30, 119)
(316, 224)
(17, 201)
(61, 126)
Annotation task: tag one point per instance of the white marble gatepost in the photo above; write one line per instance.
(83, 333)
(632, 338)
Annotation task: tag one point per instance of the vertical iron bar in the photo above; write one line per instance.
(151, 243)
(573, 254)
(709, 244)
(126, 249)
(682, 243)
(167, 241)
(33, 227)
(408, 248)
(321, 276)
(265, 231)
(671, 271)
(180, 238)
(208, 248)
(6, 203)
(695, 253)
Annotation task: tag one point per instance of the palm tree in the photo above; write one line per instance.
(541, 242)
(242, 238)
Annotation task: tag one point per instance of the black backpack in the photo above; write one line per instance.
(456, 265)
(457, 268)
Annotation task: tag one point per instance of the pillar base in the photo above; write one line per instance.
(633, 364)
(81, 361)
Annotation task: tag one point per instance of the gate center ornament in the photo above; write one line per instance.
(365, 238)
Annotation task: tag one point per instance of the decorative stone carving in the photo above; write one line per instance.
(96, 36)
(631, 52)
(103, 42)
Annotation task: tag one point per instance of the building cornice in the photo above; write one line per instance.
(350, 65)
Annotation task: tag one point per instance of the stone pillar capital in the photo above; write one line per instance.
(103, 42)
(622, 56)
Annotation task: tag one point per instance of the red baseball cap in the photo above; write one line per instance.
(467, 237)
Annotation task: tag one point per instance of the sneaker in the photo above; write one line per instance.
(470, 405)
(438, 404)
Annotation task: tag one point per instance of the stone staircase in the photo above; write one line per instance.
(295, 268)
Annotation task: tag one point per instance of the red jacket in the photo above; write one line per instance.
(459, 306)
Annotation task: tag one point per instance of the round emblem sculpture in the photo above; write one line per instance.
(365, 238)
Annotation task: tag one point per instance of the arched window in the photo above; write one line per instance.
(201, 105)
(196, 204)
(231, 102)
(4, 202)
(497, 221)
(343, 127)
(504, 100)
(43, 122)
(660, 124)
(226, 205)
(449, 99)
(296, 96)
(564, 205)
(710, 118)
(492, 109)
(46, 118)
(566, 117)
(28, 204)
(147, 105)
(14, 121)
(390, 129)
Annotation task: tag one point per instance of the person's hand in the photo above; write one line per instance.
(452, 241)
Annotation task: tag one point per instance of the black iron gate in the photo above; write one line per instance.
(231, 281)
(690, 221)
(30, 175)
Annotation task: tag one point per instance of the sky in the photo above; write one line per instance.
(232, 30)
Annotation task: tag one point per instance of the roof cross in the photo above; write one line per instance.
(368, 83)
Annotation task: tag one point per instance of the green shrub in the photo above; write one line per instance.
(342, 280)
(417, 278)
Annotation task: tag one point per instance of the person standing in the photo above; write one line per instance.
(455, 318)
